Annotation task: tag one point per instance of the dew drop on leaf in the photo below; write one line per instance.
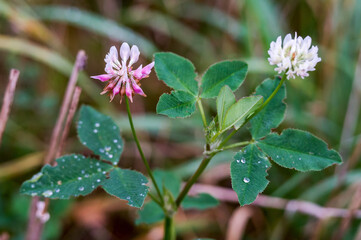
(246, 180)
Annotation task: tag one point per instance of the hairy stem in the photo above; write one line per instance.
(141, 151)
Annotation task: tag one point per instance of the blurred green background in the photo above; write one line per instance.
(41, 39)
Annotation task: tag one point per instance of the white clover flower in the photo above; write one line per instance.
(294, 56)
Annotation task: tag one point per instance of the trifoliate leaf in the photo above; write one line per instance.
(239, 111)
(225, 100)
(73, 175)
(176, 71)
(248, 173)
(176, 104)
(273, 113)
(100, 134)
(231, 73)
(299, 150)
(127, 185)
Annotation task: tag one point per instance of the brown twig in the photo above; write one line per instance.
(79, 65)
(35, 226)
(8, 99)
(71, 113)
(305, 207)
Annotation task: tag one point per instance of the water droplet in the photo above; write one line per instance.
(47, 193)
(115, 140)
(93, 186)
(259, 161)
(99, 169)
(246, 180)
(107, 149)
(95, 130)
(34, 194)
(57, 190)
(111, 155)
(82, 171)
(114, 127)
(32, 186)
(128, 198)
(79, 178)
(299, 158)
(243, 160)
(118, 146)
(81, 189)
(86, 175)
(84, 143)
(75, 156)
(237, 161)
(97, 164)
(97, 125)
(98, 180)
(101, 150)
(277, 156)
(104, 172)
(115, 163)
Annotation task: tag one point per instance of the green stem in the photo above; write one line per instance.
(200, 106)
(239, 144)
(169, 233)
(141, 151)
(257, 111)
(155, 200)
(193, 179)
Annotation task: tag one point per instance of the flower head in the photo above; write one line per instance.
(294, 56)
(121, 77)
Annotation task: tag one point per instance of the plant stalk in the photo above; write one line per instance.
(201, 110)
(169, 231)
(257, 111)
(193, 179)
(141, 151)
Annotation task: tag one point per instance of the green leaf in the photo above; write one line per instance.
(272, 115)
(225, 99)
(240, 110)
(201, 202)
(231, 73)
(150, 213)
(100, 134)
(248, 173)
(73, 175)
(176, 104)
(299, 150)
(127, 185)
(167, 180)
(176, 71)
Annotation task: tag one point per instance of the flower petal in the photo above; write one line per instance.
(134, 55)
(129, 91)
(147, 69)
(103, 77)
(124, 51)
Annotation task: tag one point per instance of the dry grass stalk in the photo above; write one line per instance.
(305, 207)
(35, 227)
(8, 99)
